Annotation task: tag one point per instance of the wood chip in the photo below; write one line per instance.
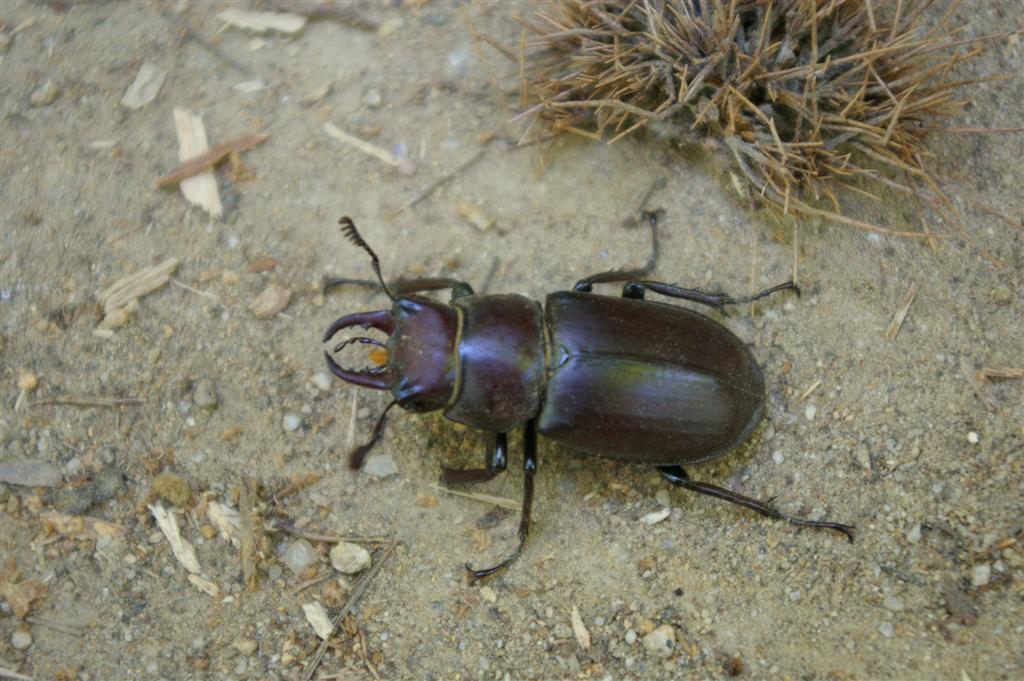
(182, 549)
(226, 520)
(270, 302)
(261, 22)
(579, 630)
(362, 145)
(901, 312)
(132, 287)
(317, 617)
(145, 88)
(204, 585)
(201, 189)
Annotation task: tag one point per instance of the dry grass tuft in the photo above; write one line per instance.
(806, 97)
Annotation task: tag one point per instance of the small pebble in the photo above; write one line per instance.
(299, 555)
(380, 466)
(205, 394)
(886, 629)
(44, 94)
(893, 603)
(291, 422)
(656, 516)
(973, 437)
(661, 641)
(349, 558)
(777, 456)
(981, 574)
(270, 302)
(662, 497)
(630, 636)
(321, 380)
(914, 533)
(21, 639)
(810, 411)
(246, 647)
(487, 593)
(373, 98)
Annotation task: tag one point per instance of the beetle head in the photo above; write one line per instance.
(420, 365)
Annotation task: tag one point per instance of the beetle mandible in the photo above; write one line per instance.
(618, 377)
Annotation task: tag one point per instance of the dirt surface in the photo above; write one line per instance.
(892, 438)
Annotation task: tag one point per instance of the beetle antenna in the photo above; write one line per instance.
(356, 457)
(348, 228)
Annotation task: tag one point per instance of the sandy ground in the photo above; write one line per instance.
(892, 439)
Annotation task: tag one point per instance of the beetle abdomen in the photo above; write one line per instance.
(646, 382)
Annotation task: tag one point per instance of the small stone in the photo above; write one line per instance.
(291, 422)
(247, 646)
(656, 516)
(662, 497)
(299, 555)
(205, 394)
(777, 456)
(886, 629)
(661, 641)
(21, 639)
(349, 558)
(487, 593)
(810, 411)
(914, 533)
(321, 380)
(981, 574)
(30, 473)
(317, 617)
(380, 466)
(373, 98)
(44, 94)
(271, 301)
(631, 636)
(389, 26)
(893, 603)
(973, 437)
(27, 381)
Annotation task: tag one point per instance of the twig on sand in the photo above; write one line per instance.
(84, 401)
(503, 502)
(211, 157)
(433, 185)
(357, 593)
(901, 312)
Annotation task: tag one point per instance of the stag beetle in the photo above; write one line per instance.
(622, 378)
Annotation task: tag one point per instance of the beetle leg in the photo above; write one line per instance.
(586, 285)
(715, 300)
(529, 469)
(496, 464)
(357, 455)
(678, 477)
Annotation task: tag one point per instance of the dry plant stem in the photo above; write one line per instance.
(432, 187)
(73, 401)
(808, 96)
(901, 313)
(353, 599)
(503, 502)
(210, 158)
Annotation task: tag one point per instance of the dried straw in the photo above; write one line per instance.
(805, 96)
